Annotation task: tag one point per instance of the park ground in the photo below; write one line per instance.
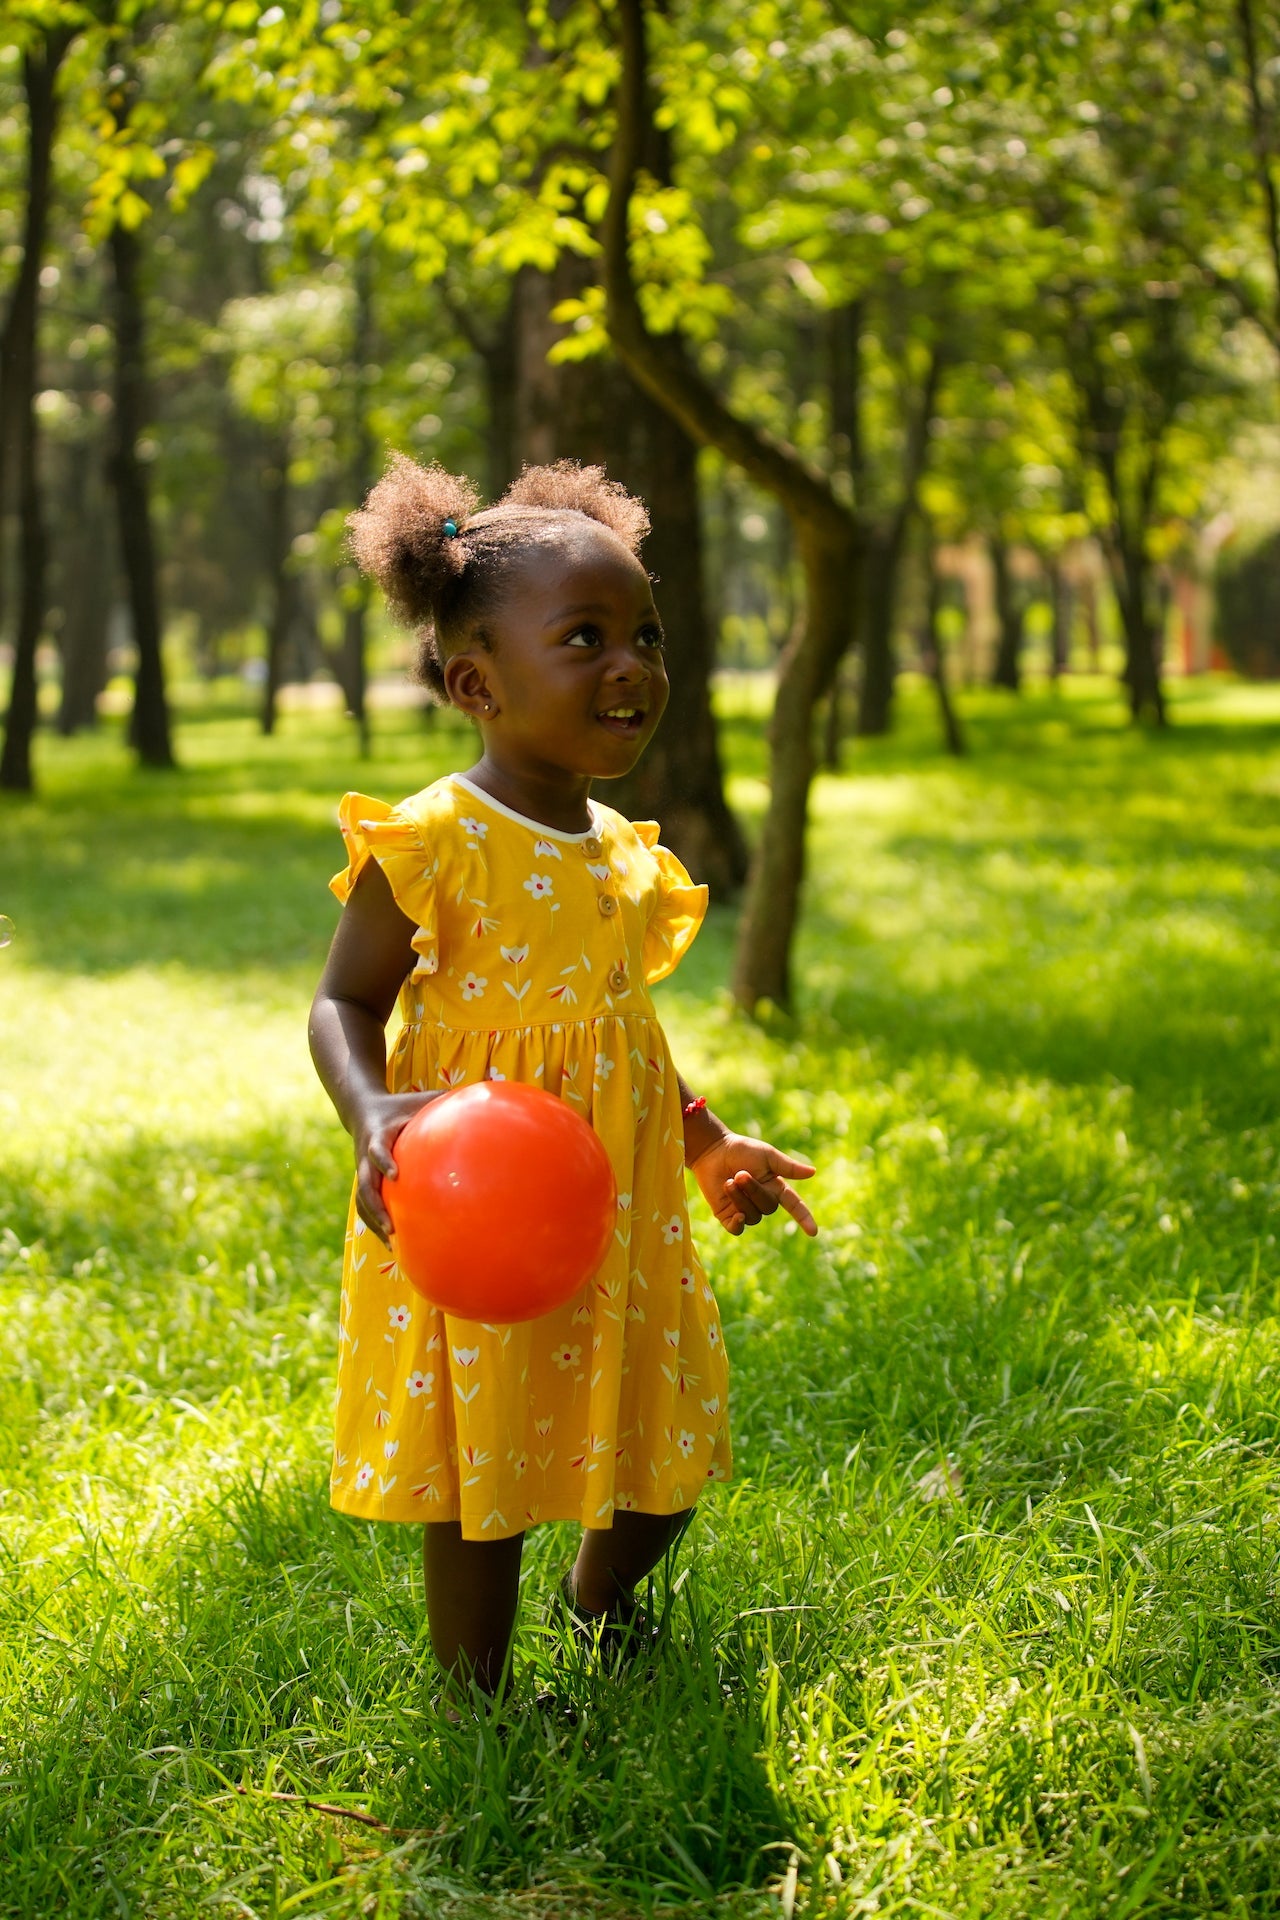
(988, 1622)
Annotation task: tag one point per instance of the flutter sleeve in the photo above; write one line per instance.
(678, 911)
(373, 830)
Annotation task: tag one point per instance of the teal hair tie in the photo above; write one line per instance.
(451, 529)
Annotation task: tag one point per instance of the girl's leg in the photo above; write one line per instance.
(472, 1590)
(611, 1563)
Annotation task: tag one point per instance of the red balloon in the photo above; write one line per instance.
(504, 1203)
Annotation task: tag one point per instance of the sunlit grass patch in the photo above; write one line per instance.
(987, 1624)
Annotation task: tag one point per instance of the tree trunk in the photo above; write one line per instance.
(844, 382)
(86, 573)
(19, 429)
(354, 662)
(279, 543)
(884, 567)
(594, 412)
(15, 762)
(833, 721)
(149, 725)
(1089, 605)
(828, 539)
(879, 667)
(1007, 671)
(1141, 675)
(935, 658)
(1063, 606)
(762, 967)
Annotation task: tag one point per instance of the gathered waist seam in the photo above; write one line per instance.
(528, 1026)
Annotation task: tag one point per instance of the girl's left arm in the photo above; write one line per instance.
(742, 1179)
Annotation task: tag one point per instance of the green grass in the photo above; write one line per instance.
(1036, 1061)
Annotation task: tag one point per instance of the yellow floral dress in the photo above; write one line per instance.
(535, 952)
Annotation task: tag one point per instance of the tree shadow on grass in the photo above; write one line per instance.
(221, 868)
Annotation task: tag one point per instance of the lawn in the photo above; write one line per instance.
(989, 1621)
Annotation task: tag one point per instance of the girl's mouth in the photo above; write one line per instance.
(625, 721)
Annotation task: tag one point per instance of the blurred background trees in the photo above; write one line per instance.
(940, 340)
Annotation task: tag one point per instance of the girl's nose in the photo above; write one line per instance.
(630, 664)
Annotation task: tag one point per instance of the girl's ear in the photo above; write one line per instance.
(468, 688)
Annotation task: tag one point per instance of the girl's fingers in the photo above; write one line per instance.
(375, 1220)
(768, 1195)
(748, 1204)
(778, 1162)
(383, 1159)
(369, 1202)
(762, 1192)
(796, 1207)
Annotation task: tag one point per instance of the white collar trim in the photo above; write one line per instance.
(538, 826)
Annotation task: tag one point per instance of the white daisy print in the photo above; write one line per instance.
(539, 885)
(625, 1502)
(399, 1317)
(687, 1281)
(713, 1335)
(604, 1066)
(686, 1443)
(419, 1383)
(566, 1356)
(473, 986)
(519, 1466)
(364, 1474)
(475, 828)
(672, 1229)
(491, 1073)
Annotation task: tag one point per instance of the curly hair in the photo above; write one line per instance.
(441, 563)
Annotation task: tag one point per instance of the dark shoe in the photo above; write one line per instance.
(618, 1637)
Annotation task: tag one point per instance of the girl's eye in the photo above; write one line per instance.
(583, 637)
(652, 637)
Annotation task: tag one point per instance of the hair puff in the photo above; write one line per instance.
(445, 584)
(399, 536)
(567, 487)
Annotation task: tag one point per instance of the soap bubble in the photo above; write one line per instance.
(7, 930)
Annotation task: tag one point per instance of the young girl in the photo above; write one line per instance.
(520, 924)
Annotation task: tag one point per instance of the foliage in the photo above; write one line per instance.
(1035, 1068)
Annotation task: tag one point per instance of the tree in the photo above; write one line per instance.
(490, 182)
(42, 57)
(829, 542)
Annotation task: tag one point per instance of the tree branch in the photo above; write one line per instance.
(1261, 152)
(659, 362)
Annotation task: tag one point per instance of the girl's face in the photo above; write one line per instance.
(574, 674)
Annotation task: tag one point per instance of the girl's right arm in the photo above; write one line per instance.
(369, 961)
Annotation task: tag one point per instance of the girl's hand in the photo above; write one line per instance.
(742, 1180)
(382, 1117)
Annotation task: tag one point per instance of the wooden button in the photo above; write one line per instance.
(608, 904)
(592, 846)
(618, 980)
